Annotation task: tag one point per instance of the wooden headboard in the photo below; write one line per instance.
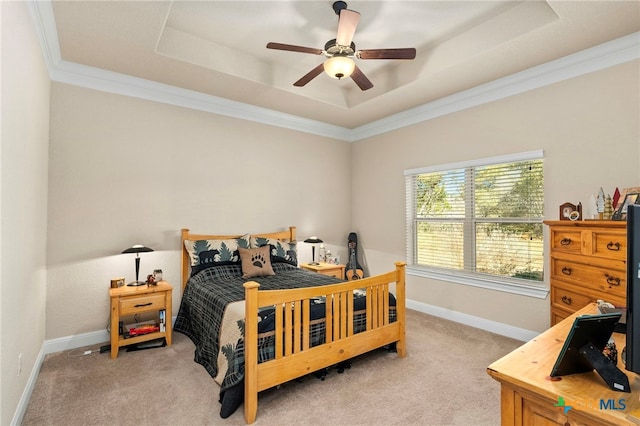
(288, 235)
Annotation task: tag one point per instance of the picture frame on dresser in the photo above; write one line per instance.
(569, 211)
(629, 196)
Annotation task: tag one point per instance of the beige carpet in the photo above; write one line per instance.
(442, 381)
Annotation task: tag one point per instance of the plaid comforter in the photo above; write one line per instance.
(202, 309)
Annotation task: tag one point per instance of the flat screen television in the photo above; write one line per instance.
(631, 353)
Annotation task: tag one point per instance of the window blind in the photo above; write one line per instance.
(480, 218)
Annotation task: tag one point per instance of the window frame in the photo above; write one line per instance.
(537, 289)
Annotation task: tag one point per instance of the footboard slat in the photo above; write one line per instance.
(306, 325)
(294, 355)
(328, 315)
(279, 338)
(288, 324)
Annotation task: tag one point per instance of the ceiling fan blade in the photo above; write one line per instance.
(293, 48)
(361, 80)
(310, 76)
(406, 53)
(347, 23)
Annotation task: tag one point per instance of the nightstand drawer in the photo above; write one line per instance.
(333, 273)
(148, 302)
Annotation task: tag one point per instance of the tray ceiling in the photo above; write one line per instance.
(218, 47)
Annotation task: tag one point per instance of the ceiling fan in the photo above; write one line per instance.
(341, 51)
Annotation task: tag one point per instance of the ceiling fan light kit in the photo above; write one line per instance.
(339, 67)
(341, 51)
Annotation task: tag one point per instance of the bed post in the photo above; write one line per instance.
(401, 345)
(185, 261)
(251, 351)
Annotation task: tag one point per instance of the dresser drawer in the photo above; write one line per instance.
(142, 303)
(566, 240)
(609, 245)
(607, 281)
(569, 299)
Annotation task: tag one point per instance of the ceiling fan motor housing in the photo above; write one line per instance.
(332, 48)
(338, 6)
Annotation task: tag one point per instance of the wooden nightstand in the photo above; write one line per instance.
(326, 269)
(126, 301)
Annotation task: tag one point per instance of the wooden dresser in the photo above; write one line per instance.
(588, 262)
(529, 397)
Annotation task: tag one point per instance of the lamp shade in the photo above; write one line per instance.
(339, 67)
(313, 240)
(137, 248)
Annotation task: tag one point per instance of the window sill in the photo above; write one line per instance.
(508, 287)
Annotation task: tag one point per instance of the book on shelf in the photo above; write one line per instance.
(139, 329)
(162, 314)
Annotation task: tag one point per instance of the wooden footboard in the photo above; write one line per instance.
(294, 356)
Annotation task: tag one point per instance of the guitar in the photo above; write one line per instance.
(353, 270)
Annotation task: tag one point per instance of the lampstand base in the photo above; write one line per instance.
(136, 283)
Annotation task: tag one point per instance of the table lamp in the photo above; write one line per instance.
(314, 241)
(137, 249)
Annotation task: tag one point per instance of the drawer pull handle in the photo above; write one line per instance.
(612, 280)
(144, 304)
(613, 246)
(567, 300)
(566, 270)
(565, 241)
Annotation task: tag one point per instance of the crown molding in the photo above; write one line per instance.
(603, 56)
(606, 55)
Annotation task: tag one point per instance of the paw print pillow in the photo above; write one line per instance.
(256, 262)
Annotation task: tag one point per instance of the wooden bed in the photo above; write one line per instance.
(294, 356)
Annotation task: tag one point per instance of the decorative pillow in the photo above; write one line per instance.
(207, 253)
(280, 251)
(255, 262)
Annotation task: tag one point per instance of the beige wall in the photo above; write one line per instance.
(589, 129)
(126, 171)
(23, 199)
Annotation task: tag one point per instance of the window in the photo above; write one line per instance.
(479, 222)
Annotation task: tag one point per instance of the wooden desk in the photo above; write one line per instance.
(528, 396)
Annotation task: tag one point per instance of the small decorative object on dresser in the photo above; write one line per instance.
(570, 211)
(333, 260)
(117, 282)
(629, 196)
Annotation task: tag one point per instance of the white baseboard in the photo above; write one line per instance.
(18, 415)
(76, 341)
(472, 321)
